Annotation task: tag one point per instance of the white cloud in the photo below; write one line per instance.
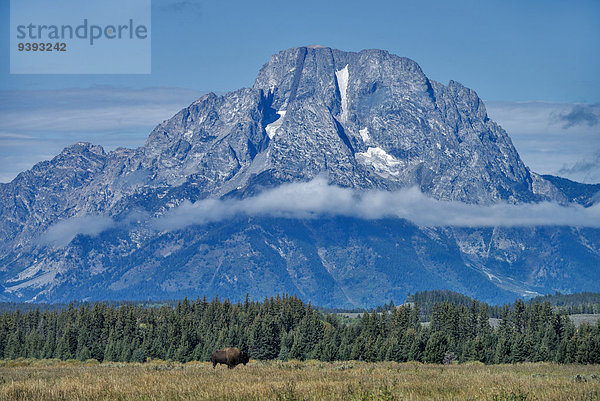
(588, 169)
(588, 114)
(95, 109)
(316, 198)
(63, 232)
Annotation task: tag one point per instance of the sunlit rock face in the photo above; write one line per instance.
(365, 120)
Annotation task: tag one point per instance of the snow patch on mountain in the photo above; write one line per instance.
(364, 134)
(380, 161)
(342, 80)
(37, 282)
(28, 273)
(274, 126)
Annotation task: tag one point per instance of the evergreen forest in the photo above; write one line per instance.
(286, 328)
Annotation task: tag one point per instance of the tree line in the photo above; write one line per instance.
(429, 298)
(583, 302)
(286, 328)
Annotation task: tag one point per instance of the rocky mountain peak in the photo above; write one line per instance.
(367, 119)
(389, 124)
(320, 72)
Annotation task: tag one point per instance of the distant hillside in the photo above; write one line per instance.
(580, 303)
(10, 307)
(427, 299)
(583, 302)
(584, 194)
(28, 306)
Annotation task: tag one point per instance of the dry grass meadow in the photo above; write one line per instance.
(158, 380)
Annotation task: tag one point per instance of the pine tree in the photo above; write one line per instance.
(307, 335)
(436, 348)
(139, 355)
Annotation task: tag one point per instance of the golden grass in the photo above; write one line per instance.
(158, 380)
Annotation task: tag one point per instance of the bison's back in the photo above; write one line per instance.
(220, 355)
(233, 353)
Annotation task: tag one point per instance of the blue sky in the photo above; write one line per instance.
(535, 63)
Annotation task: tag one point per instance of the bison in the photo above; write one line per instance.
(230, 357)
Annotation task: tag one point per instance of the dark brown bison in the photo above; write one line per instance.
(230, 357)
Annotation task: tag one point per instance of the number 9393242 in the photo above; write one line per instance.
(42, 47)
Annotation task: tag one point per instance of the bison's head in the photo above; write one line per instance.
(244, 358)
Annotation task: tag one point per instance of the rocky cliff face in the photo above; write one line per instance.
(366, 120)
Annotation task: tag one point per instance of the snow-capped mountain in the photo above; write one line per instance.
(368, 120)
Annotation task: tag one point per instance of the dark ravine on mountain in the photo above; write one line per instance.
(366, 120)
